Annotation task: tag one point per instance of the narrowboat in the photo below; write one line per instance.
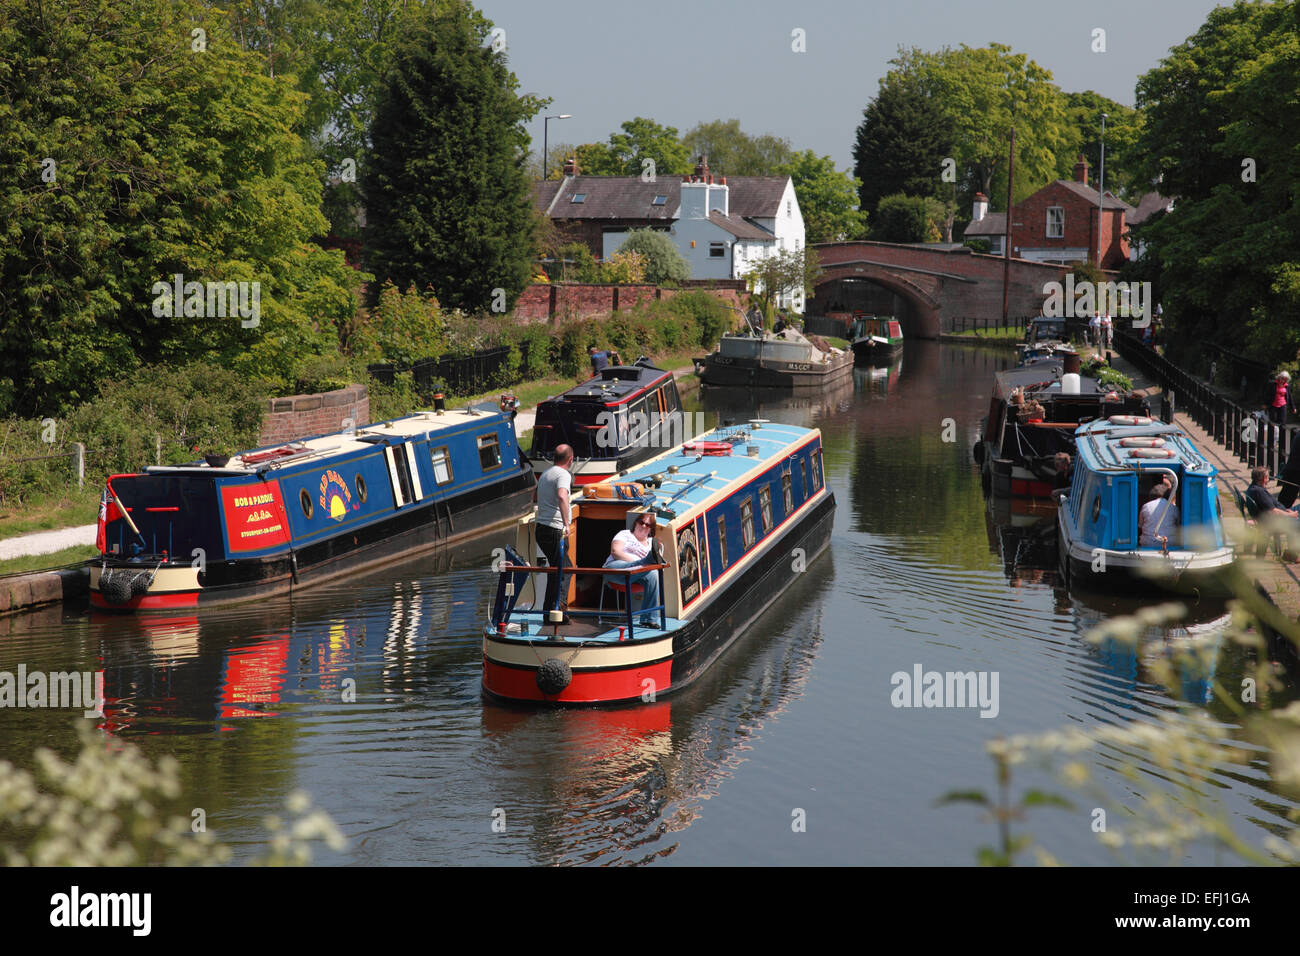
(739, 513)
(1120, 460)
(786, 360)
(1033, 414)
(282, 517)
(877, 339)
(615, 420)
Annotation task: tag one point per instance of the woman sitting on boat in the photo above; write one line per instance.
(1158, 519)
(631, 549)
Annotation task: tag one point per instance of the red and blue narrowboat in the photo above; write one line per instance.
(877, 339)
(739, 513)
(614, 421)
(282, 517)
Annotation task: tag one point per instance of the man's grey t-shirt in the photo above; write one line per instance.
(548, 495)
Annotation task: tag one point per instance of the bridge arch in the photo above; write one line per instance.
(925, 304)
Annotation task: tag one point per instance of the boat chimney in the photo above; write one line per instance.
(439, 402)
(1071, 360)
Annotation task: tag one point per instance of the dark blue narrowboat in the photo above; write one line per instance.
(281, 517)
(1099, 533)
(739, 511)
(615, 420)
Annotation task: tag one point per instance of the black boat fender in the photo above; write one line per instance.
(553, 676)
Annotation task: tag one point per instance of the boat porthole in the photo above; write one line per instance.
(1096, 509)
(306, 502)
(361, 488)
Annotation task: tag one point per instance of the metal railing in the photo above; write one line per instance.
(1246, 433)
(503, 601)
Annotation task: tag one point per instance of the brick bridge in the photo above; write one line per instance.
(936, 285)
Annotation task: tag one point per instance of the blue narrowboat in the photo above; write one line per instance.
(280, 517)
(1100, 541)
(739, 512)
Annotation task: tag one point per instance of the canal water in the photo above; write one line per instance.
(792, 749)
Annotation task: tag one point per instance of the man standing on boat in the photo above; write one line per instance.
(553, 516)
(1158, 519)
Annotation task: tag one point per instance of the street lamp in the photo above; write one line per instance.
(546, 129)
(1101, 187)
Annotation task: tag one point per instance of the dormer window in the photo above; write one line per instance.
(579, 197)
(1055, 222)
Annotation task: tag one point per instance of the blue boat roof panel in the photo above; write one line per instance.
(1103, 445)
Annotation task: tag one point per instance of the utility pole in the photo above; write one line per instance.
(1101, 188)
(1006, 241)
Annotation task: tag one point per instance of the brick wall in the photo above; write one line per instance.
(1029, 225)
(544, 302)
(300, 416)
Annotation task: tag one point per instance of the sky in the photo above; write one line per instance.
(681, 63)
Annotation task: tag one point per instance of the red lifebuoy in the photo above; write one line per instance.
(708, 447)
(1142, 442)
(1129, 420)
(1151, 453)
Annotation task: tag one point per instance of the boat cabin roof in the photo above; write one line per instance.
(1042, 378)
(613, 386)
(334, 444)
(1101, 446)
(703, 475)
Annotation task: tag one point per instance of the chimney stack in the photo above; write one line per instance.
(980, 208)
(1081, 170)
(571, 166)
(702, 169)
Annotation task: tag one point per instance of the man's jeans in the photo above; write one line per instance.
(548, 539)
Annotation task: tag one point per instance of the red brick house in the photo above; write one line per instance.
(1059, 224)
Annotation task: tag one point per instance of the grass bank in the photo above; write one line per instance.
(77, 554)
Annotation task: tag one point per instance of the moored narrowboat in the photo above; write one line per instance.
(282, 517)
(738, 513)
(877, 339)
(1033, 414)
(1120, 464)
(785, 360)
(613, 421)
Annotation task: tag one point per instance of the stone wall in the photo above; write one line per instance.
(299, 416)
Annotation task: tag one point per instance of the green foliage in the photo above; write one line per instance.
(166, 160)
(112, 806)
(663, 263)
(627, 267)
(626, 152)
(1221, 111)
(732, 152)
(902, 218)
(1123, 156)
(1107, 377)
(583, 268)
(828, 198)
(979, 245)
(448, 202)
(788, 272)
(403, 327)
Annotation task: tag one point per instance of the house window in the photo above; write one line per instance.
(441, 465)
(765, 508)
(717, 250)
(747, 522)
(660, 200)
(787, 492)
(578, 197)
(722, 540)
(789, 208)
(1055, 222)
(489, 451)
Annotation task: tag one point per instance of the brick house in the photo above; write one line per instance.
(1059, 224)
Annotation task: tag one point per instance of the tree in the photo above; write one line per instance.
(663, 263)
(448, 200)
(788, 272)
(732, 152)
(642, 147)
(138, 153)
(1221, 122)
(903, 218)
(903, 139)
(1123, 125)
(827, 198)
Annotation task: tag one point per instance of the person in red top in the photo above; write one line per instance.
(1277, 411)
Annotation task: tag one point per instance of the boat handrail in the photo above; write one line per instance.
(263, 466)
(567, 569)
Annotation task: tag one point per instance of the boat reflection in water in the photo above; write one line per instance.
(1022, 532)
(1188, 648)
(744, 404)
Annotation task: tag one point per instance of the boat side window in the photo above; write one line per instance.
(803, 473)
(722, 541)
(361, 487)
(441, 464)
(787, 492)
(747, 521)
(765, 508)
(304, 498)
(817, 470)
(642, 435)
(489, 451)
